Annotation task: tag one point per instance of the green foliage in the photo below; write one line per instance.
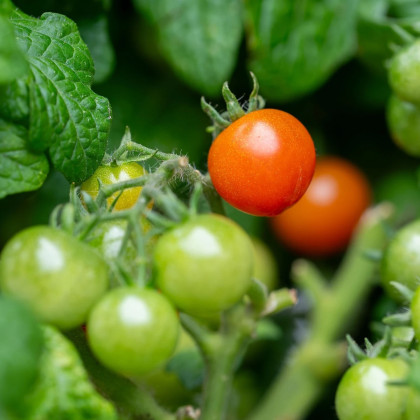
(382, 26)
(54, 102)
(295, 46)
(95, 33)
(12, 60)
(188, 365)
(19, 354)
(200, 39)
(20, 168)
(64, 391)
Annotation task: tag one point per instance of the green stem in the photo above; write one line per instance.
(222, 353)
(319, 358)
(212, 196)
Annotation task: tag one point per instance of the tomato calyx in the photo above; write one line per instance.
(234, 110)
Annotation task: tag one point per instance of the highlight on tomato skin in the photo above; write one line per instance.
(263, 162)
(322, 222)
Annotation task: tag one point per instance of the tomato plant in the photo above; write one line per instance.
(182, 262)
(59, 277)
(204, 265)
(415, 311)
(364, 391)
(323, 220)
(404, 124)
(401, 261)
(403, 72)
(263, 162)
(265, 264)
(111, 174)
(132, 330)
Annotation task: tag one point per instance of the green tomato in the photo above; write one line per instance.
(401, 261)
(265, 266)
(364, 393)
(404, 125)
(59, 277)
(133, 331)
(204, 265)
(404, 73)
(413, 405)
(415, 313)
(111, 175)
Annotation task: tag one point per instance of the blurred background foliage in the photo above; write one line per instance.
(324, 61)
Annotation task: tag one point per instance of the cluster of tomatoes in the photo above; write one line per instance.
(263, 163)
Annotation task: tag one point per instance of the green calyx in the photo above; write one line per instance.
(234, 110)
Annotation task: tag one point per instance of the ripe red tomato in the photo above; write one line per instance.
(322, 222)
(263, 162)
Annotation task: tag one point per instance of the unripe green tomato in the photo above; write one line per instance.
(204, 265)
(132, 330)
(404, 73)
(364, 391)
(59, 277)
(404, 125)
(401, 261)
(415, 313)
(265, 266)
(413, 405)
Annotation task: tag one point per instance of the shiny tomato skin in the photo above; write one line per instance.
(204, 265)
(110, 175)
(59, 277)
(401, 261)
(323, 220)
(364, 392)
(263, 162)
(133, 330)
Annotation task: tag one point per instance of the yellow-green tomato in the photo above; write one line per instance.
(265, 266)
(59, 277)
(364, 392)
(111, 175)
(204, 265)
(133, 330)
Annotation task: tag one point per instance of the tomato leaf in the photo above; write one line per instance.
(188, 365)
(20, 169)
(64, 390)
(65, 115)
(296, 45)
(200, 39)
(12, 61)
(19, 353)
(95, 33)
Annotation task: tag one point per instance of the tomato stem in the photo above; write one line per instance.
(310, 366)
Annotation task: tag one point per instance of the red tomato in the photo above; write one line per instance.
(322, 222)
(263, 162)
